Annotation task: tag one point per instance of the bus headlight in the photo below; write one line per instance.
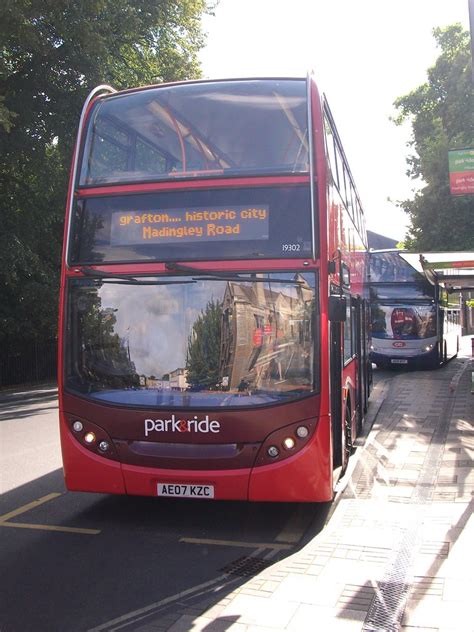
(92, 437)
(302, 432)
(428, 347)
(285, 442)
(89, 438)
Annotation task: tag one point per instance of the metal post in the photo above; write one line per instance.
(471, 25)
(472, 364)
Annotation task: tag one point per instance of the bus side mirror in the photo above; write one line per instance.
(337, 308)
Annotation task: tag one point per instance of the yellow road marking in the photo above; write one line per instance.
(248, 545)
(40, 527)
(32, 505)
(47, 527)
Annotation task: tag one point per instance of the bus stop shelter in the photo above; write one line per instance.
(453, 270)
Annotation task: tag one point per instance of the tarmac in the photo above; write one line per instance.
(396, 552)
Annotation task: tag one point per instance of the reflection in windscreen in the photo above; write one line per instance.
(193, 342)
(392, 268)
(403, 322)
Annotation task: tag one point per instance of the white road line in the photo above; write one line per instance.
(248, 545)
(135, 616)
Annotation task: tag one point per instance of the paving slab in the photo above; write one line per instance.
(396, 553)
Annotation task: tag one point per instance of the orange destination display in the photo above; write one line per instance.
(190, 224)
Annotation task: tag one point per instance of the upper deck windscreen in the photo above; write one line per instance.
(241, 127)
(389, 267)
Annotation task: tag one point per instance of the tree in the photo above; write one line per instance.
(53, 53)
(202, 357)
(441, 115)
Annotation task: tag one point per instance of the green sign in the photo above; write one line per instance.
(461, 171)
(461, 160)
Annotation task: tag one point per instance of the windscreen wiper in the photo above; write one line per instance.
(125, 279)
(247, 279)
(173, 266)
(213, 275)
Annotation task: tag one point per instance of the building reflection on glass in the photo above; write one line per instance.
(266, 336)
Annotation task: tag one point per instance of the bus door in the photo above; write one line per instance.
(359, 335)
(337, 315)
(366, 365)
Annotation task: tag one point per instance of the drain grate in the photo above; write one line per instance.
(246, 566)
(386, 609)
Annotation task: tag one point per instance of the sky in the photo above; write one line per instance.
(364, 54)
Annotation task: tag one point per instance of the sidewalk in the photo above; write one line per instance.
(397, 551)
(23, 392)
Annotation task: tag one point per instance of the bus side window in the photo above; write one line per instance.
(350, 199)
(331, 151)
(340, 171)
(355, 333)
(348, 351)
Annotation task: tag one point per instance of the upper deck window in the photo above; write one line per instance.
(242, 127)
(389, 267)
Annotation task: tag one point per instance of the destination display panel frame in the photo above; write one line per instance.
(193, 225)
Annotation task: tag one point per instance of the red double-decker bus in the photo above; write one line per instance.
(213, 319)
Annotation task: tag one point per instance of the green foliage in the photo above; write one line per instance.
(202, 358)
(441, 115)
(32, 208)
(53, 53)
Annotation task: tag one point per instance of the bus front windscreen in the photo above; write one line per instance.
(240, 127)
(403, 321)
(234, 340)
